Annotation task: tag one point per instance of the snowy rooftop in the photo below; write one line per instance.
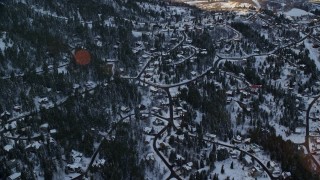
(14, 176)
(7, 147)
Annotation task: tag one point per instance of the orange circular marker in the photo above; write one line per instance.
(82, 57)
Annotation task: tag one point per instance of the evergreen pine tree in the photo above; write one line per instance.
(222, 169)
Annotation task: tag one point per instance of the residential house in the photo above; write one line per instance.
(256, 171)
(187, 168)
(193, 73)
(155, 109)
(17, 108)
(211, 137)
(247, 140)
(144, 117)
(43, 100)
(142, 107)
(5, 115)
(125, 109)
(73, 168)
(14, 176)
(276, 173)
(99, 163)
(12, 164)
(8, 147)
(147, 130)
(153, 90)
(247, 160)
(286, 175)
(158, 122)
(163, 146)
(150, 157)
(148, 139)
(237, 139)
(233, 154)
(44, 127)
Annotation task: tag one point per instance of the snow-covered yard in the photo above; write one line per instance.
(295, 12)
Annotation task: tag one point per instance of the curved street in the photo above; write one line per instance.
(241, 150)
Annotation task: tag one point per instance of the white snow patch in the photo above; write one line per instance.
(295, 138)
(7, 147)
(257, 3)
(295, 12)
(313, 52)
(3, 43)
(136, 34)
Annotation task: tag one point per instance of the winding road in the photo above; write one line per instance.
(241, 150)
(166, 87)
(307, 138)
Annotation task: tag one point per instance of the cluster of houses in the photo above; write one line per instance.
(75, 166)
(32, 144)
(255, 170)
(44, 102)
(316, 145)
(88, 86)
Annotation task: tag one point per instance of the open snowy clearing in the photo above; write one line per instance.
(295, 12)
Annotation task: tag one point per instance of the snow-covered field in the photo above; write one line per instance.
(222, 5)
(226, 5)
(313, 52)
(195, 2)
(295, 12)
(239, 171)
(295, 138)
(136, 34)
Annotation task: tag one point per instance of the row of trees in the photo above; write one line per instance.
(292, 159)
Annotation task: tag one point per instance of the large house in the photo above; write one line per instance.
(14, 176)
